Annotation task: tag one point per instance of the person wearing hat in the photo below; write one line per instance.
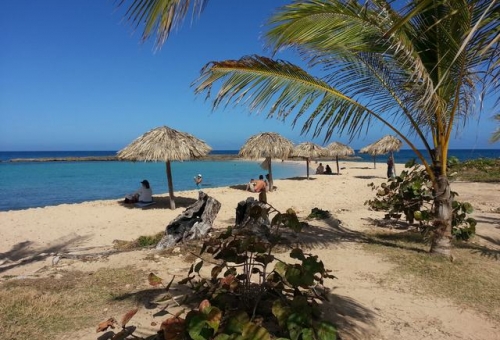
(144, 194)
(198, 179)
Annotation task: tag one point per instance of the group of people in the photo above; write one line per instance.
(320, 170)
(258, 185)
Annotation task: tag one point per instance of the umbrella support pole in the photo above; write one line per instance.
(170, 186)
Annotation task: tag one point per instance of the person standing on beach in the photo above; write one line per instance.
(390, 167)
(198, 179)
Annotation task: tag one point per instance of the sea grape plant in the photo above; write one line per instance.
(411, 194)
(249, 291)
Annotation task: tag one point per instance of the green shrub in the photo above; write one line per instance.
(411, 194)
(250, 293)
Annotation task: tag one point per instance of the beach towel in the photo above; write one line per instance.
(144, 204)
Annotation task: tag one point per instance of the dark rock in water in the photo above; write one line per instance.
(196, 221)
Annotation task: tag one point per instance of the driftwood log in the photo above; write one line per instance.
(252, 217)
(194, 222)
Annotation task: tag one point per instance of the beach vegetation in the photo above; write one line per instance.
(46, 308)
(247, 291)
(485, 170)
(410, 195)
(470, 281)
(421, 68)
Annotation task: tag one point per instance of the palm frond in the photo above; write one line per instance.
(284, 89)
(159, 17)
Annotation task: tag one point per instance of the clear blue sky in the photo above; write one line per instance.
(74, 76)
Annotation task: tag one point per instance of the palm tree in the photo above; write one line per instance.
(419, 69)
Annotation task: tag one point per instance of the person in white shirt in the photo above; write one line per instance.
(143, 194)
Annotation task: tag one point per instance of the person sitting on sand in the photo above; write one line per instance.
(198, 179)
(260, 185)
(320, 169)
(251, 185)
(328, 170)
(144, 194)
(266, 181)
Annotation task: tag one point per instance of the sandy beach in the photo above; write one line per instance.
(30, 239)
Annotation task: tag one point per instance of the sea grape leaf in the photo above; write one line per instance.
(198, 266)
(104, 325)
(294, 275)
(203, 305)
(197, 326)
(214, 318)
(154, 280)
(297, 253)
(126, 318)
(326, 331)
(281, 312)
(169, 284)
(173, 328)
(307, 334)
(252, 331)
(216, 270)
(236, 322)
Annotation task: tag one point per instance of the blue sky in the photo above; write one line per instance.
(75, 76)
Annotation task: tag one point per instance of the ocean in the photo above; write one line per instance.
(38, 184)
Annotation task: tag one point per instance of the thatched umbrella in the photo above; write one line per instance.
(338, 149)
(308, 150)
(267, 145)
(165, 144)
(384, 145)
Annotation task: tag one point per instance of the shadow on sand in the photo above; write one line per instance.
(24, 252)
(162, 202)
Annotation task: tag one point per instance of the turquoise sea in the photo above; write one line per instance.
(37, 184)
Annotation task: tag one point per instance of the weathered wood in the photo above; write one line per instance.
(252, 217)
(196, 221)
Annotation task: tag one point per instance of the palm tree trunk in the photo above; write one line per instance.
(443, 212)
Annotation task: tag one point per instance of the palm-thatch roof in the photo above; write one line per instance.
(387, 144)
(164, 144)
(267, 145)
(308, 150)
(338, 150)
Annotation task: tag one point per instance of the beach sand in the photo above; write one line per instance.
(365, 308)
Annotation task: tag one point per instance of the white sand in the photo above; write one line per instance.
(391, 310)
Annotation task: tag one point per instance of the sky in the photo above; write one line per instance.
(74, 75)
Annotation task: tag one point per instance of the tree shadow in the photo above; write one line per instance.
(314, 236)
(24, 252)
(484, 251)
(300, 178)
(369, 177)
(353, 320)
(487, 220)
(162, 202)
